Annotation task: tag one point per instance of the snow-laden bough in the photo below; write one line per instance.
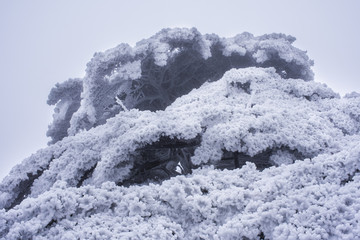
(190, 136)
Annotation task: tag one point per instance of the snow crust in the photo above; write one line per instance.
(71, 189)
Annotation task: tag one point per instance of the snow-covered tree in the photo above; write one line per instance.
(158, 70)
(190, 136)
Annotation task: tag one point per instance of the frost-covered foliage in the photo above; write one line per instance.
(310, 199)
(151, 75)
(303, 138)
(66, 97)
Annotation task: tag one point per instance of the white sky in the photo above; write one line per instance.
(44, 42)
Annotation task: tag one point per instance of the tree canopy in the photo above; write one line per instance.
(189, 136)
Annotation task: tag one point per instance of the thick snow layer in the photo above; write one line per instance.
(74, 189)
(312, 198)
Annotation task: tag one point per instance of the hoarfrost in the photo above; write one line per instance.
(217, 143)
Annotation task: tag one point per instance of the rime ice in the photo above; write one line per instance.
(250, 98)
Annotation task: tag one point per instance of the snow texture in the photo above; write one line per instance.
(151, 75)
(248, 96)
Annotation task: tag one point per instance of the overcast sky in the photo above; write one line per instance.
(45, 42)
